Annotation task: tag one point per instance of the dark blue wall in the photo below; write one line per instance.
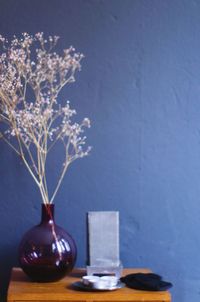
(140, 85)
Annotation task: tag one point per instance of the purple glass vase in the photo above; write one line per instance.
(47, 252)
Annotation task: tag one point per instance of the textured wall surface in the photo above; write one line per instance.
(140, 86)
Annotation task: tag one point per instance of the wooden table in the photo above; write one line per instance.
(22, 289)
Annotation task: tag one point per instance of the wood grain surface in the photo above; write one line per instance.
(22, 289)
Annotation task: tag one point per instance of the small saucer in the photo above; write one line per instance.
(81, 286)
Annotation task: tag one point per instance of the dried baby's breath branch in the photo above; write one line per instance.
(31, 78)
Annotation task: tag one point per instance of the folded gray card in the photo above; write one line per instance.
(103, 238)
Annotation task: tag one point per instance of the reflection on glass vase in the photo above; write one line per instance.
(47, 252)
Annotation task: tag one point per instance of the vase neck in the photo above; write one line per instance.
(47, 213)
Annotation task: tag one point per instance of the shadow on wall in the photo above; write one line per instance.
(8, 260)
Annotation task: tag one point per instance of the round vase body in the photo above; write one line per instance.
(47, 252)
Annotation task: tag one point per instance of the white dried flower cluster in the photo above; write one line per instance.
(32, 75)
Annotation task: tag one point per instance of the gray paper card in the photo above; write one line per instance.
(103, 238)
